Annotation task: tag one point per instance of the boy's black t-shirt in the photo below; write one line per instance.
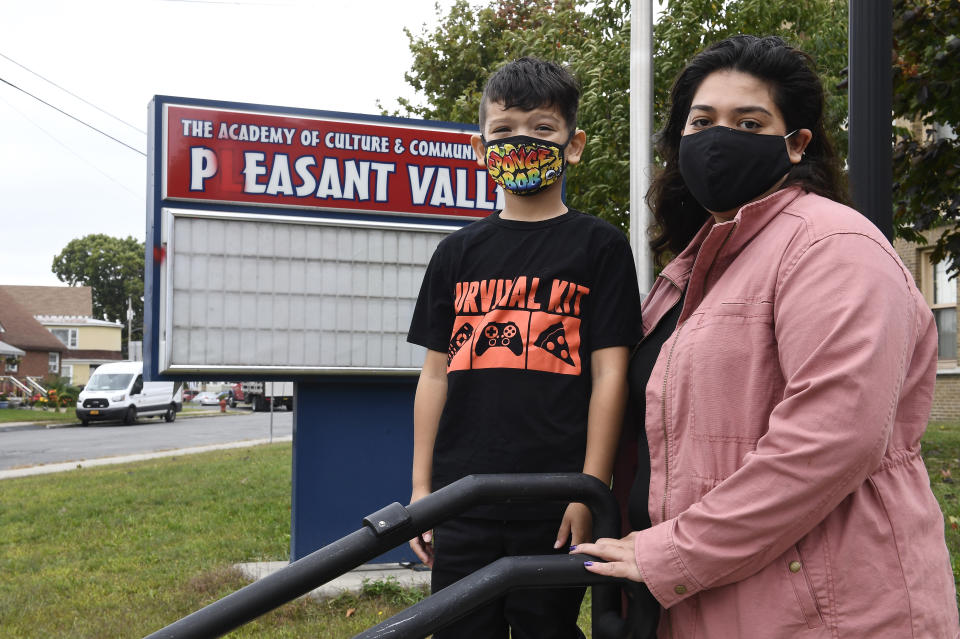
(519, 307)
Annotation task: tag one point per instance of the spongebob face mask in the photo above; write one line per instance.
(525, 165)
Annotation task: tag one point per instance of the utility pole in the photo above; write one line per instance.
(641, 136)
(129, 326)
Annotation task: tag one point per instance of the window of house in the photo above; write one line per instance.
(12, 365)
(941, 293)
(66, 371)
(54, 363)
(66, 335)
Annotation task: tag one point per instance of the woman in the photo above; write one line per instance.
(787, 494)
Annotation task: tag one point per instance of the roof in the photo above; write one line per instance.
(53, 300)
(22, 330)
(74, 320)
(10, 351)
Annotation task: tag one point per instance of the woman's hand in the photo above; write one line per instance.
(618, 555)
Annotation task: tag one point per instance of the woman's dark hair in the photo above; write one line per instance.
(798, 94)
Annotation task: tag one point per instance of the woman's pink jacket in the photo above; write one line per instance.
(784, 416)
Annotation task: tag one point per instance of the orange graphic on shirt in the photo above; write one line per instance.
(521, 323)
(501, 340)
(555, 344)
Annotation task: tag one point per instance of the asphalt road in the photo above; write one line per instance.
(24, 447)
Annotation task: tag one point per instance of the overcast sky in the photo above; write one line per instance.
(61, 180)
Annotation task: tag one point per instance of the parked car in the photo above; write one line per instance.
(207, 398)
(189, 394)
(117, 391)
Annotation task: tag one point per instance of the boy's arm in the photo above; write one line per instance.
(608, 397)
(427, 406)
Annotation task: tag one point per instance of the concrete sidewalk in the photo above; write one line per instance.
(406, 576)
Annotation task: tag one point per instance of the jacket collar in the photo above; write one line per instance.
(755, 216)
(749, 221)
(737, 232)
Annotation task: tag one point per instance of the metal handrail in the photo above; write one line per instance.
(483, 586)
(38, 387)
(395, 524)
(16, 382)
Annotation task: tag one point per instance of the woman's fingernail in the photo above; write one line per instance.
(588, 563)
(573, 547)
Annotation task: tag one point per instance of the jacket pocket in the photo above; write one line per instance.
(734, 375)
(802, 588)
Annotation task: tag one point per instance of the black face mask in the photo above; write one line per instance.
(725, 168)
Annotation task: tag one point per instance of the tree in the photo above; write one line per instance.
(451, 66)
(113, 269)
(452, 63)
(926, 93)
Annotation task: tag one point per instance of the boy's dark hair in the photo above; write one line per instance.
(530, 83)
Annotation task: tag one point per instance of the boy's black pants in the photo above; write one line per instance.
(464, 545)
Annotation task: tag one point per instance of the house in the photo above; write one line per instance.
(90, 343)
(42, 352)
(940, 289)
(67, 313)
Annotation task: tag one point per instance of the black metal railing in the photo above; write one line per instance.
(395, 524)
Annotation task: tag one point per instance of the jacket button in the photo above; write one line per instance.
(795, 566)
(680, 590)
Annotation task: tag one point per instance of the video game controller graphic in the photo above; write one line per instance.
(496, 334)
(458, 340)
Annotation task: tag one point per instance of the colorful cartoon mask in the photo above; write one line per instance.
(524, 165)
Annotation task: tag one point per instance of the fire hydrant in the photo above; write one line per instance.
(223, 405)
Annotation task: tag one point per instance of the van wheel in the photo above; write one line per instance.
(131, 416)
(84, 422)
(171, 414)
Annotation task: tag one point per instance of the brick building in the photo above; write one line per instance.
(67, 313)
(18, 328)
(940, 291)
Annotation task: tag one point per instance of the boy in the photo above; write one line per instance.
(527, 316)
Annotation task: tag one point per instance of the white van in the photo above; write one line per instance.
(117, 391)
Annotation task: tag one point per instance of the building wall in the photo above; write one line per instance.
(105, 338)
(946, 398)
(81, 374)
(34, 364)
(946, 393)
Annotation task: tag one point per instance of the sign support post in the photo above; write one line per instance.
(289, 244)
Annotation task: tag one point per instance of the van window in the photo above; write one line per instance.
(109, 382)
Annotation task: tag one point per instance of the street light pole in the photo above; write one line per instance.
(871, 108)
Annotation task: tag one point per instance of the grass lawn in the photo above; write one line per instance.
(122, 551)
(8, 415)
(941, 451)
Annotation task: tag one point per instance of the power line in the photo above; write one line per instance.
(74, 153)
(72, 117)
(134, 127)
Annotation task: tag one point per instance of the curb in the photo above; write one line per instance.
(37, 425)
(352, 581)
(58, 467)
